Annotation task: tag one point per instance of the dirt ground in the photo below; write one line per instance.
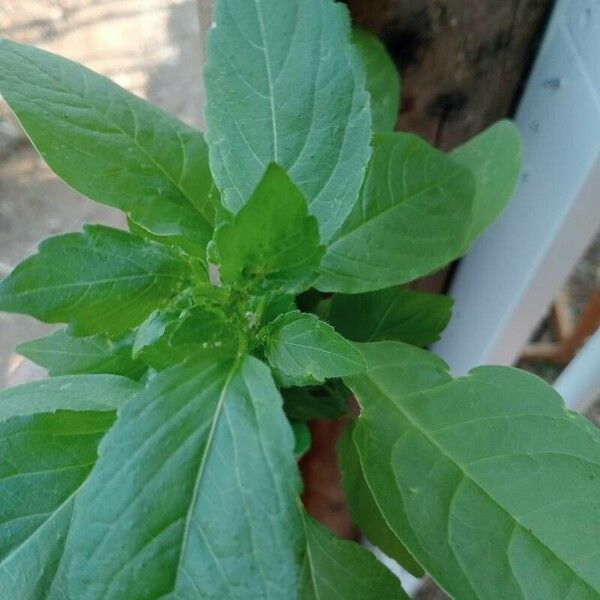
(152, 47)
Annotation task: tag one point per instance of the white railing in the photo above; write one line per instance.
(505, 285)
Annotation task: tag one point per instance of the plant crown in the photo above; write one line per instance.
(258, 287)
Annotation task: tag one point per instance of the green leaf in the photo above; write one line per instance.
(284, 85)
(45, 460)
(412, 217)
(276, 304)
(69, 392)
(302, 438)
(334, 569)
(194, 493)
(494, 158)
(301, 404)
(110, 145)
(101, 280)
(396, 314)
(383, 81)
(487, 479)
(364, 510)
(63, 354)
(204, 327)
(152, 343)
(273, 242)
(47, 452)
(304, 350)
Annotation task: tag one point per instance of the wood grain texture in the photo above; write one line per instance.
(462, 63)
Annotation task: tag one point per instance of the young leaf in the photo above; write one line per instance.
(271, 97)
(69, 392)
(101, 280)
(494, 158)
(383, 81)
(110, 145)
(63, 354)
(203, 327)
(152, 344)
(412, 217)
(395, 313)
(364, 510)
(272, 242)
(489, 482)
(46, 459)
(304, 350)
(339, 570)
(194, 493)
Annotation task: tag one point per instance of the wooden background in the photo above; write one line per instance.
(462, 61)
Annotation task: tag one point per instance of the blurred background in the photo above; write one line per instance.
(151, 47)
(528, 293)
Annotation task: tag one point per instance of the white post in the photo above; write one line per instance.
(579, 383)
(504, 286)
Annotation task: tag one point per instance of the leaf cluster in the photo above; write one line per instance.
(258, 287)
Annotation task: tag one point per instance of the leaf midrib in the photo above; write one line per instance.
(201, 469)
(93, 283)
(265, 51)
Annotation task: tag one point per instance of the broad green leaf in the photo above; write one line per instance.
(364, 510)
(303, 350)
(63, 354)
(101, 280)
(69, 392)
(284, 85)
(494, 158)
(412, 217)
(395, 313)
(194, 493)
(302, 404)
(110, 145)
(46, 452)
(334, 569)
(383, 81)
(487, 479)
(273, 242)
